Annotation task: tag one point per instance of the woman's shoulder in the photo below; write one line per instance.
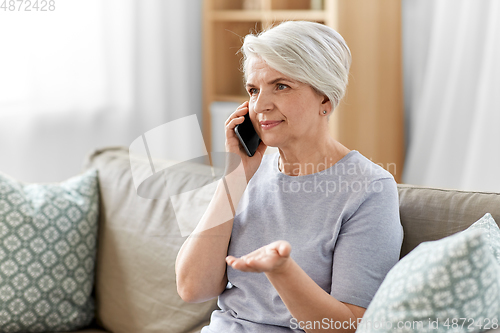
(357, 166)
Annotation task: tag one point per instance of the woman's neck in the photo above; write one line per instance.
(310, 159)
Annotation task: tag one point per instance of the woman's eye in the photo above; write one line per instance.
(252, 91)
(282, 86)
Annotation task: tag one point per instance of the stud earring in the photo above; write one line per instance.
(324, 111)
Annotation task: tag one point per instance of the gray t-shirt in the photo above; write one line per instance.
(344, 228)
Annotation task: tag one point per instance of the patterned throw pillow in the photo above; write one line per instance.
(492, 233)
(47, 254)
(452, 284)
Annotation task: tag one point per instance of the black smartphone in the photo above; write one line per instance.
(249, 139)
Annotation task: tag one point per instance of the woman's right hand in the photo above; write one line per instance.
(250, 164)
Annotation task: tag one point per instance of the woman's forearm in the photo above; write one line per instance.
(200, 265)
(308, 302)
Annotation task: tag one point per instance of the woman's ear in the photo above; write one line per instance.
(326, 104)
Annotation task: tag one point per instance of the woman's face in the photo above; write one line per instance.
(283, 111)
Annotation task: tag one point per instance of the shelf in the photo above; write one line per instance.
(231, 98)
(274, 15)
(236, 15)
(265, 4)
(295, 15)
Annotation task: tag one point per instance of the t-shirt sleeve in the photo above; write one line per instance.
(368, 245)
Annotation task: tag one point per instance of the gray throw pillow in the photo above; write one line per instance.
(47, 254)
(452, 284)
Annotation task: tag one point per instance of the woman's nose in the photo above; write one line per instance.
(264, 102)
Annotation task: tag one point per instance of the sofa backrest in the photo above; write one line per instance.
(429, 214)
(139, 239)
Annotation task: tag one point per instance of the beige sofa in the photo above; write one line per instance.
(139, 238)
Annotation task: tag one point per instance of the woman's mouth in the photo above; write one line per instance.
(268, 124)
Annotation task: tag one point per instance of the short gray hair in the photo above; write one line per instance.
(308, 52)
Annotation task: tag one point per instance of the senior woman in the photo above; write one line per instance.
(317, 228)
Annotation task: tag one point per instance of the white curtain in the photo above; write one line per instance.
(452, 93)
(93, 73)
